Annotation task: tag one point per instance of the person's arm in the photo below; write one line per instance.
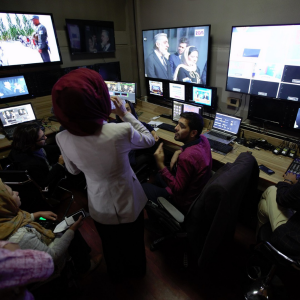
(20, 267)
(140, 137)
(152, 131)
(71, 167)
(288, 192)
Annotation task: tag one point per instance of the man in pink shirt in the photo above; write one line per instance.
(190, 167)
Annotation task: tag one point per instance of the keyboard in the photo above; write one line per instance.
(220, 146)
(295, 167)
(167, 127)
(220, 135)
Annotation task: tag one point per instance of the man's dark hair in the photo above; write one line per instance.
(184, 40)
(195, 121)
(25, 137)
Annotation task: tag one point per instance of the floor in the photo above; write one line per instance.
(166, 278)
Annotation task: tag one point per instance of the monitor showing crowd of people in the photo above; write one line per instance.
(125, 90)
(13, 86)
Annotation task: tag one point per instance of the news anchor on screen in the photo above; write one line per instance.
(157, 66)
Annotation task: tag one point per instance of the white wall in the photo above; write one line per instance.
(222, 15)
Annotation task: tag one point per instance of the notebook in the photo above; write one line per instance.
(225, 128)
(13, 116)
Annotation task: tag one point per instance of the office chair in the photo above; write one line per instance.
(34, 198)
(210, 222)
(261, 287)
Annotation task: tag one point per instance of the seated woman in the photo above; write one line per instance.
(280, 206)
(29, 152)
(188, 70)
(17, 226)
(139, 157)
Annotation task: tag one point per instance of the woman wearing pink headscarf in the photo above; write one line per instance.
(100, 150)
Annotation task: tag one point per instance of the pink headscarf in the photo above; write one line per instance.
(81, 101)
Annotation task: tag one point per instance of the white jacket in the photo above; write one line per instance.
(114, 194)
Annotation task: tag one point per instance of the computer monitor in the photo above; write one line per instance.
(125, 90)
(264, 60)
(13, 88)
(156, 88)
(176, 91)
(180, 107)
(297, 121)
(23, 35)
(227, 123)
(206, 96)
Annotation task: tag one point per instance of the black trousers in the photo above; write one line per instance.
(124, 248)
(45, 55)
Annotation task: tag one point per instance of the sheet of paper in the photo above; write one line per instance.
(154, 124)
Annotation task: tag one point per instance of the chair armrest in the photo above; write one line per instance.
(172, 210)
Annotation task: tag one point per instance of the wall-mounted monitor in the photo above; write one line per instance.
(90, 37)
(264, 61)
(27, 39)
(297, 120)
(124, 90)
(156, 88)
(177, 54)
(176, 91)
(13, 88)
(180, 107)
(206, 96)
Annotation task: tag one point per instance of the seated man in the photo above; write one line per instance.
(280, 207)
(190, 166)
(29, 152)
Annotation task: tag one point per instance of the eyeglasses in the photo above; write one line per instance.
(42, 138)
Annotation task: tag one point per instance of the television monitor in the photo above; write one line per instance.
(179, 54)
(180, 107)
(206, 96)
(27, 39)
(109, 71)
(297, 120)
(90, 37)
(156, 88)
(176, 91)
(13, 88)
(264, 60)
(125, 90)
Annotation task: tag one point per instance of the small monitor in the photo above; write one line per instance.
(15, 115)
(202, 95)
(124, 90)
(297, 121)
(156, 88)
(13, 88)
(180, 107)
(176, 91)
(227, 123)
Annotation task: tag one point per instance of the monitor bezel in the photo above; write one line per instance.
(41, 64)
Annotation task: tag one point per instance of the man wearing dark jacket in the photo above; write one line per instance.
(29, 152)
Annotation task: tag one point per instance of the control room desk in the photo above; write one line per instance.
(277, 163)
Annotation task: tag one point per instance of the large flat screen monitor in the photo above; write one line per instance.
(27, 39)
(265, 61)
(90, 37)
(125, 90)
(179, 54)
(180, 107)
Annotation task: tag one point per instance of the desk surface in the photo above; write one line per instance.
(277, 163)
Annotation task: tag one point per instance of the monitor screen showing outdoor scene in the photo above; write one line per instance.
(156, 88)
(178, 54)
(27, 39)
(265, 61)
(124, 90)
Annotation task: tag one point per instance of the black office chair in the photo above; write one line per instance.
(261, 287)
(211, 220)
(34, 197)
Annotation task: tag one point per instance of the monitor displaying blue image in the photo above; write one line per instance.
(202, 95)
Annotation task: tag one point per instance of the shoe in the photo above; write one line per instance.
(95, 262)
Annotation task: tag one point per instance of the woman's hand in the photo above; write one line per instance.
(77, 224)
(120, 109)
(156, 137)
(61, 160)
(174, 158)
(49, 215)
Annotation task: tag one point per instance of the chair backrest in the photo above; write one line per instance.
(211, 220)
